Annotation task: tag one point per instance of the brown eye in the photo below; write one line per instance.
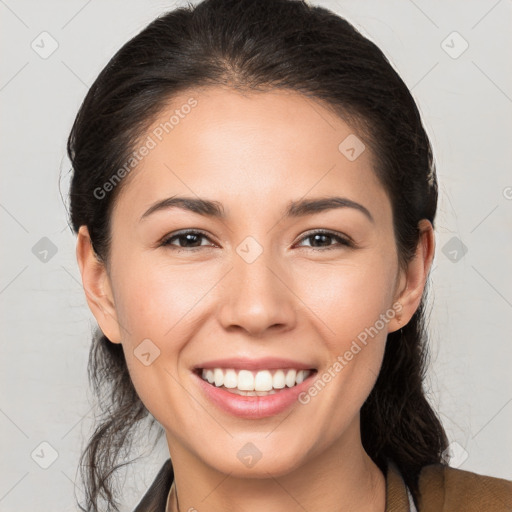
(320, 240)
(187, 239)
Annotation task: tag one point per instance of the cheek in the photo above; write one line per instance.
(340, 299)
(154, 300)
(155, 306)
(346, 298)
(161, 308)
(348, 304)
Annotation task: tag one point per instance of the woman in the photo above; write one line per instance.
(283, 350)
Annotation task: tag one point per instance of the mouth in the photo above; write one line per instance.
(260, 383)
(262, 399)
(253, 388)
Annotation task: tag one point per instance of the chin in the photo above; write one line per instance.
(256, 460)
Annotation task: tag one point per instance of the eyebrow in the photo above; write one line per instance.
(214, 209)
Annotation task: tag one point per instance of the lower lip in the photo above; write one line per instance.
(254, 407)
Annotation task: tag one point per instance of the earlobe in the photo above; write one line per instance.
(415, 276)
(97, 287)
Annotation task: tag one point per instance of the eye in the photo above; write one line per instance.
(327, 236)
(189, 238)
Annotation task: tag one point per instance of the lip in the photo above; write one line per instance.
(264, 363)
(253, 407)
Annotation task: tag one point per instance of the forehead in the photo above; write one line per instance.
(257, 148)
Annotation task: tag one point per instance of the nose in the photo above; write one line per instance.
(258, 296)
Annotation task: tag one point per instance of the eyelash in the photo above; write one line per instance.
(343, 240)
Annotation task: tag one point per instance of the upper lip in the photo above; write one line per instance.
(264, 363)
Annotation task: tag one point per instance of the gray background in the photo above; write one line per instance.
(466, 102)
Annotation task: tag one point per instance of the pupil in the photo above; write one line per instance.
(319, 235)
(190, 237)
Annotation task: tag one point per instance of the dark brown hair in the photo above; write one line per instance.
(259, 46)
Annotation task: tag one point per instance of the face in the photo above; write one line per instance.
(256, 282)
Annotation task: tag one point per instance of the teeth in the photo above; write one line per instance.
(218, 377)
(246, 381)
(263, 381)
(236, 391)
(290, 378)
(252, 383)
(230, 379)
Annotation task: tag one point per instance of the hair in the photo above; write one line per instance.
(254, 46)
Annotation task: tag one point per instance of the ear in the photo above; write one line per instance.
(411, 281)
(96, 283)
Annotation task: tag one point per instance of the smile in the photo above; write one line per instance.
(281, 388)
(254, 383)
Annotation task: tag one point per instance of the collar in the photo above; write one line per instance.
(398, 498)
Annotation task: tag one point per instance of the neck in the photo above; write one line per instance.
(340, 478)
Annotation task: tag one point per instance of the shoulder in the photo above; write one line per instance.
(443, 488)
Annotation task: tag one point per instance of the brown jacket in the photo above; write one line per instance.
(442, 489)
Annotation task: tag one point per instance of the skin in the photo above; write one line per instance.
(254, 153)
